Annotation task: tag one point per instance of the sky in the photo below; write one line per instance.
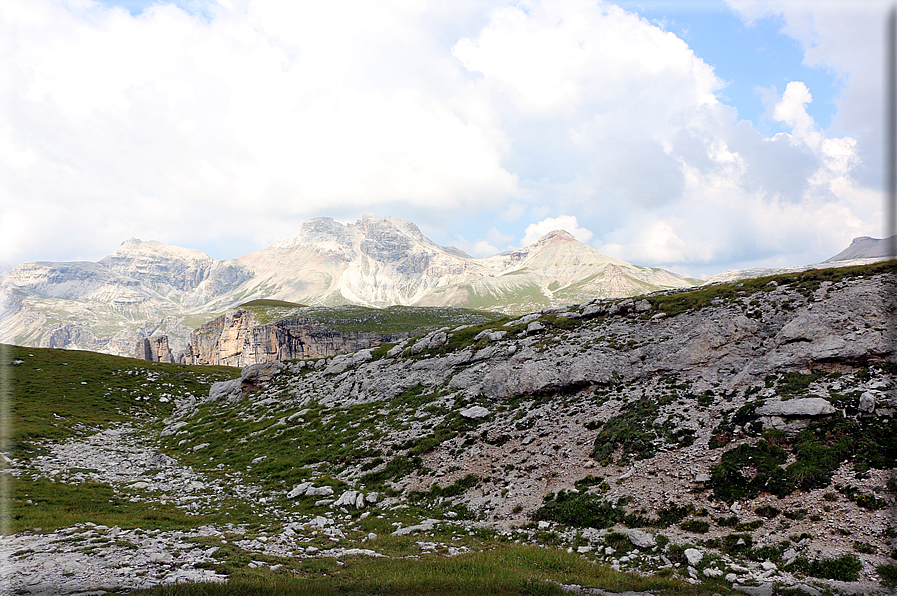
(698, 136)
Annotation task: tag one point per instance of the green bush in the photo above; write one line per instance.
(729, 522)
(582, 510)
(845, 568)
(696, 526)
(768, 511)
(888, 574)
(729, 483)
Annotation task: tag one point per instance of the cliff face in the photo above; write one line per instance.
(237, 339)
(155, 349)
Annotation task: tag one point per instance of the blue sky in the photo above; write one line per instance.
(697, 136)
(747, 57)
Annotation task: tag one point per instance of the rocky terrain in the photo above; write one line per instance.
(739, 437)
(146, 289)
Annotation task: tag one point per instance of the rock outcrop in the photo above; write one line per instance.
(155, 349)
(237, 339)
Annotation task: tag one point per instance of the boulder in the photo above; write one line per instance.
(474, 412)
(298, 490)
(693, 556)
(534, 327)
(424, 526)
(319, 491)
(224, 389)
(803, 408)
(348, 499)
(867, 402)
(257, 376)
(641, 539)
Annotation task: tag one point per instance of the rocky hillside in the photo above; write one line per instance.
(739, 437)
(146, 289)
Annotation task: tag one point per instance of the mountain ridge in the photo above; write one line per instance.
(144, 288)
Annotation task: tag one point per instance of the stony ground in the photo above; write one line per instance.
(464, 436)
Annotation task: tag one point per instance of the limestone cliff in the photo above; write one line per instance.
(238, 339)
(155, 349)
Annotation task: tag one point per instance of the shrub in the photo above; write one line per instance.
(767, 511)
(729, 522)
(729, 482)
(863, 547)
(696, 526)
(870, 501)
(888, 574)
(579, 509)
(618, 541)
(845, 568)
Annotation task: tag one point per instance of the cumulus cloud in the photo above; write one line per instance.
(846, 38)
(568, 223)
(289, 110)
(488, 245)
(244, 121)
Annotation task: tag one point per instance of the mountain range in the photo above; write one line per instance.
(146, 288)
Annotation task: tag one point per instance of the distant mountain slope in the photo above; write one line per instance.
(862, 251)
(146, 288)
(865, 247)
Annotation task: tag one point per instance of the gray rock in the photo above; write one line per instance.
(224, 389)
(694, 556)
(474, 412)
(298, 490)
(319, 491)
(867, 402)
(803, 407)
(534, 327)
(257, 376)
(761, 590)
(641, 538)
(424, 526)
(347, 499)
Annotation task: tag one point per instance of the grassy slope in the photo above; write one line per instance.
(55, 393)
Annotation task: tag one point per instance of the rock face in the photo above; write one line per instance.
(155, 349)
(144, 289)
(235, 339)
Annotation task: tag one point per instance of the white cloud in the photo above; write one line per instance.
(296, 109)
(492, 243)
(567, 223)
(264, 113)
(846, 38)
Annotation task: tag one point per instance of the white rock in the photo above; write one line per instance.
(346, 499)
(319, 491)
(867, 402)
(693, 556)
(807, 406)
(298, 490)
(474, 412)
(641, 538)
